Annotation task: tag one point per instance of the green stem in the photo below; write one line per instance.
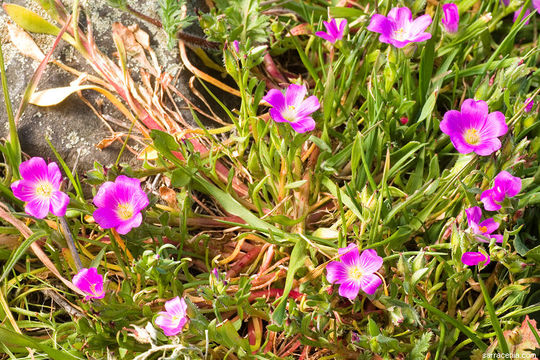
(493, 317)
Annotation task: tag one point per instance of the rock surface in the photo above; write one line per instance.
(72, 126)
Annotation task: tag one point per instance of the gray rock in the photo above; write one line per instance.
(71, 126)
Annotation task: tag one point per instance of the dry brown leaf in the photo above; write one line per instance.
(169, 195)
(24, 43)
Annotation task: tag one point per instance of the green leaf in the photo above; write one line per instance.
(296, 261)
(9, 337)
(421, 347)
(21, 249)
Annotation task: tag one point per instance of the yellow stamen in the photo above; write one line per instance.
(482, 229)
(44, 189)
(472, 137)
(125, 211)
(355, 273)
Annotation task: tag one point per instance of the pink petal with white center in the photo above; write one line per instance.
(349, 289)
(370, 261)
(106, 217)
(276, 115)
(401, 17)
(59, 203)
(369, 283)
(336, 272)
(419, 25)
(34, 169)
(380, 24)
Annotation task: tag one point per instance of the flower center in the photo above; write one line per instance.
(482, 229)
(472, 137)
(290, 113)
(125, 211)
(400, 34)
(44, 189)
(355, 273)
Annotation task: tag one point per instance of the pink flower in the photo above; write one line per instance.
(450, 18)
(484, 228)
(529, 103)
(475, 258)
(292, 108)
(355, 271)
(516, 15)
(236, 46)
(89, 282)
(473, 129)
(119, 204)
(175, 318)
(399, 29)
(504, 185)
(333, 31)
(39, 187)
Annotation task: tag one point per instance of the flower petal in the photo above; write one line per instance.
(176, 306)
(106, 217)
(336, 272)
(401, 17)
(349, 289)
(125, 226)
(490, 198)
(276, 99)
(34, 169)
(105, 196)
(326, 36)
(303, 125)
(380, 24)
(420, 24)
(490, 225)
(474, 214)
(24, 190)
(308, 106)
(369, 283)
(498, 238)
(54, 175)
(370, 261)
(474, 113)
(37, 207)
(495, 125)
(59, 202)
(506, 183)
(276, 115)
(351, 258)
(294, 95)
(474, 258)
(487, 146)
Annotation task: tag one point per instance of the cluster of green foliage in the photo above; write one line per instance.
(360, 177)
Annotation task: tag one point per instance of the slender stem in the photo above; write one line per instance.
(71, 243)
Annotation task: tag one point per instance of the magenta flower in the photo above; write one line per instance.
(474, 258)
(355, 271)
(292, 108)
(473, 129)
(484, 228)
(236, 46)
(39, 188)
(175, 318)
(119, 204)
(334, 32)
(504, 185)
(529, 103)
(516, 15)
(450, 19)
(399, 29)
(89, 282)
